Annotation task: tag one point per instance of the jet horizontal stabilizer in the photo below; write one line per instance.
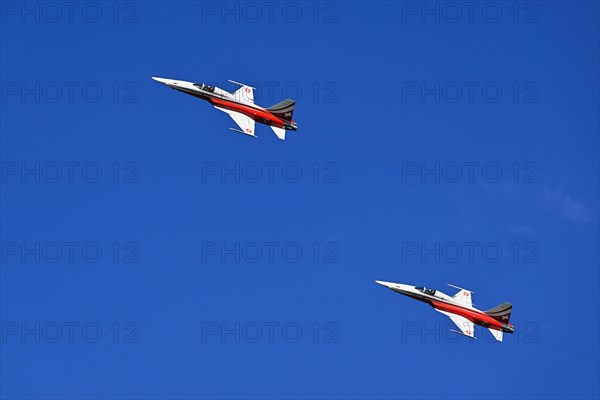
(497, 334)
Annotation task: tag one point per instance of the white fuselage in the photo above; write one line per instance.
(411, 291)
(196, 90)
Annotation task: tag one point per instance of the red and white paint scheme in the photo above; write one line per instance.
(240, 106)
(460, 309)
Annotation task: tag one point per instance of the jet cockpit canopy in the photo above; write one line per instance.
(430, 292)
(204, 87)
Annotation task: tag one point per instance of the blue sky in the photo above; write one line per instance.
(149, 252)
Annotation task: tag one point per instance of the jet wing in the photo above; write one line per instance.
(464, 298)
(244, 94)
(245, 123)
(467, 327)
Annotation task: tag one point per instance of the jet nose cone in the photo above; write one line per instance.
(386, 284)
(161, 80)
(165, 81)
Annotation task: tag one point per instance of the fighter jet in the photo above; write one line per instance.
(460, 309)
(240, 106)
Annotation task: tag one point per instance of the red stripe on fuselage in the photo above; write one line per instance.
(475, 316)
(261, 116)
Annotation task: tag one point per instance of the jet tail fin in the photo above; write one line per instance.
(283, 110)
(501, 312)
